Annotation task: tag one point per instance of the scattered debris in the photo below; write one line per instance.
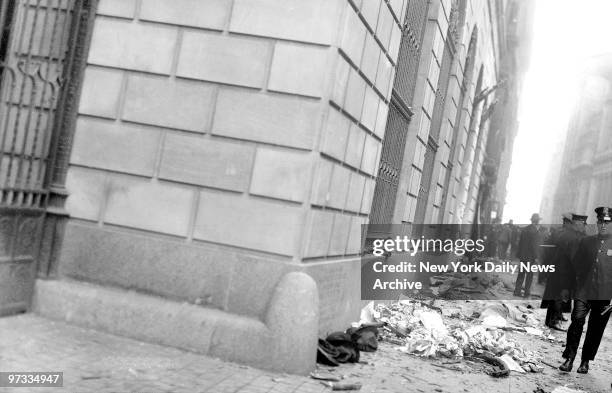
(499, 368)
(88, 377)
(342, 386)
(548, 364)
(433, 322)
(345, 347)
(534, 331)
(420, 331)
(565, 389)
(392, 340)
(511, 363)
(534, 368)
(365, 336)
(443, 365)
(323, 376)
(443, 327)
(368, 314)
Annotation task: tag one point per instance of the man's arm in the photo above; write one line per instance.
(563, 268)
(536, 240)
(578, 261)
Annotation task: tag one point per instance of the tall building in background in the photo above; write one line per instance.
(585, 180)
(197, 173)
(498, 143)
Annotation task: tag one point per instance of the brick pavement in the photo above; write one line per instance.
(97, 362)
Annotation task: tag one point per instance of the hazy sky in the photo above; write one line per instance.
(565, 33)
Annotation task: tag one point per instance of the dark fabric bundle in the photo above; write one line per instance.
(345, 347)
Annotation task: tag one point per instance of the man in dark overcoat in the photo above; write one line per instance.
(516, 233)
(593, 266)
(560, 284)
(504, 238)
(528, 251)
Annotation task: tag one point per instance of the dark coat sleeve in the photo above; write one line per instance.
(584, 257)
(536, 240)
(567, 247)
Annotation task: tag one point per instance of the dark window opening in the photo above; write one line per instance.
(7, 12)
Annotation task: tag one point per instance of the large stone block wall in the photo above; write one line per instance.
(350, 142)
(249, 128)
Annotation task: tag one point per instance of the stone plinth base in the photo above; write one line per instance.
(285, 341)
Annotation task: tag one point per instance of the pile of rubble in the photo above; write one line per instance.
(469, 286)
(453, 329)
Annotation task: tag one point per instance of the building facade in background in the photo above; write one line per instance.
(585, 179)
(497, 160)
(217, 159)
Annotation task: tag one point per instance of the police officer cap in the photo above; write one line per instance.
(603, 213)
(578, 217)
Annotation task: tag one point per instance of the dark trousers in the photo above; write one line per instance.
(554, 312)
(527, 277)
(503, 249)
(492, 249)
(595, 330)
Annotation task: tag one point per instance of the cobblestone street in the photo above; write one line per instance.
(99, 362)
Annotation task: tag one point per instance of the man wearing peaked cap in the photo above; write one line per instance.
(593, 266)
(563, 245)
(579, 223)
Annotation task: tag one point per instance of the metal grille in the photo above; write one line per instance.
(410, 50)
(389, 169)
(428, 162)
(392, 155)
(441, 90)
(40, 70)
(35, 39)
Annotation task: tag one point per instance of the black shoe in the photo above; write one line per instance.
(567, 365)
(584, 367)
(557, 326)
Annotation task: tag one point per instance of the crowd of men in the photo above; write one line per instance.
(581, 283)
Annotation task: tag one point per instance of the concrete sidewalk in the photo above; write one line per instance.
(99, 362)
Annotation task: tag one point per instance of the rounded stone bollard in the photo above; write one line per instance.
(293, 319)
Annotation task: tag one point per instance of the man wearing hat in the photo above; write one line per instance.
(560, 284)
(529, 243)
(593, 266)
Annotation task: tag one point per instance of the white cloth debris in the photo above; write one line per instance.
(368, 314)
(432, 321)
(495, 321)
(511, 363)
(565, 389)
(533, 331)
